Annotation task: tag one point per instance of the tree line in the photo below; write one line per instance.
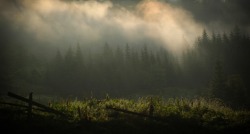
(112, 68)
(217, 65)
(221, 62)
(218, 62)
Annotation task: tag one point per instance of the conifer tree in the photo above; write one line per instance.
(218, 83)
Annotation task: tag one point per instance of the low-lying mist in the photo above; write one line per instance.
(63, 23)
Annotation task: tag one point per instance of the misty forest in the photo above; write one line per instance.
(125, 66)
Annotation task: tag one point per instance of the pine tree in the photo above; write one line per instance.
(237, 93)
(58, 59)
(127, 54)
(235, 34)
(119, 56)
(218, 83)
(225, 38)
(145, 56)
(79, 56)
(69, 58)
(205, 38)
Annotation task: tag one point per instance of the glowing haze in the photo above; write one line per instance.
(94, 22)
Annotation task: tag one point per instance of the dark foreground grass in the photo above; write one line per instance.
(172, 116)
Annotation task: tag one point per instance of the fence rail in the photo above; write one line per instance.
(30, 105)
(135, 113)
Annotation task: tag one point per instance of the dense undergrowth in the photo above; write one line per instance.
(169, 116)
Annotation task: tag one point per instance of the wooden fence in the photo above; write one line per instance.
(150, 115)
(30, 105)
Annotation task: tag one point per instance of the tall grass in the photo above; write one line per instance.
(202, 110)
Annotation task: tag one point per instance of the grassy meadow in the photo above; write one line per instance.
(174, 115)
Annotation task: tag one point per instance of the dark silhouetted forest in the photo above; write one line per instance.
(216, 66)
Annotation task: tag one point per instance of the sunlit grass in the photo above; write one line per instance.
(205, 112)
(173, 115)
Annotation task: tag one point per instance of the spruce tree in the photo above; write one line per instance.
(218, 83)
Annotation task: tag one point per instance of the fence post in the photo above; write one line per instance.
(30, 107)
(79, 112)
(151, 107)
